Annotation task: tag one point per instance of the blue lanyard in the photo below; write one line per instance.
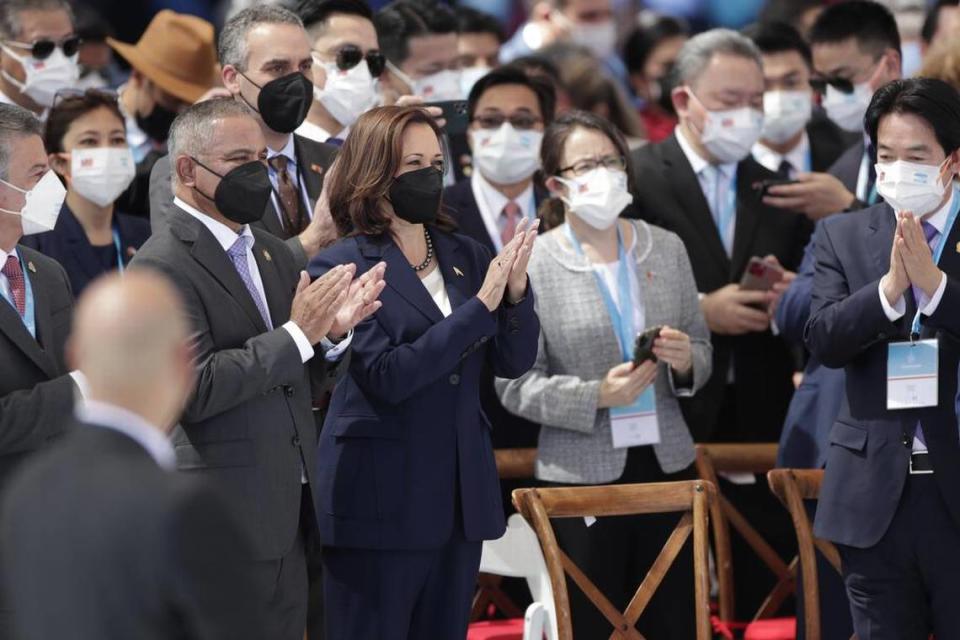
(29, 316)
(116, 245)
(622, 316)
(954, 209)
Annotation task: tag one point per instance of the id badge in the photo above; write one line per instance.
(912, 372)
(636, 425)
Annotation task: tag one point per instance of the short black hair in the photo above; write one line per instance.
(643, 40)
(470, 20)
(537, 64)
(513, 74)
(779, 37)
(313, 12)
(401, 20)
(928, 98)
(870, 23)
(932, 19)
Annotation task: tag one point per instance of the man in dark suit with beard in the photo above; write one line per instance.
(266, 58)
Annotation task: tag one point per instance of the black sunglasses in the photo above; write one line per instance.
(843, 85)
(350, 56)
(43, 49)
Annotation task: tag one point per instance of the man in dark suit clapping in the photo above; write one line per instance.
(100, 540)
(257, 322)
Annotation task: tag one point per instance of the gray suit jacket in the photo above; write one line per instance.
(578, 347)
(314, 160)
(249, 426)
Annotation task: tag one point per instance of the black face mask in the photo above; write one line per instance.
(243, 192)
(157, 123)
(283, 103)
(415, 195)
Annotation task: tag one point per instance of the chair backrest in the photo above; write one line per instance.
(740, 458)
(691, 498)
(792, 487)
(517, 555)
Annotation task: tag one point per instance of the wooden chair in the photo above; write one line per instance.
(515, 464)
(792, 487)
(691, 498)
(742, 458)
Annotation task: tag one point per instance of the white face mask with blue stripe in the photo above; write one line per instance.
(910, 186)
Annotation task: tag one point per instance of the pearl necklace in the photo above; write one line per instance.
(426, 261)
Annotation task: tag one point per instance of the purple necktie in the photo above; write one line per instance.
(930, 233)
(238, 254)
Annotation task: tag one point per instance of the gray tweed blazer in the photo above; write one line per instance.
(578, 347)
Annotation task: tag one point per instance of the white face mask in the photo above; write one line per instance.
(346, 95)
(506, 155)
(469, 77)
(598, 197)
(909, 186)
(599, 37)
(785, 113)
(42, 206)
(100, 175)
(847, 109)
(436, 87)
(44, 78)
(729, 135)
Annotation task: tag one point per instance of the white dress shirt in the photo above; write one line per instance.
(138, 141)
(927, 306)
(437, 289)
(863, 175)
(290, 151)
(135, 427)
(313, 132)
(491, 202)
(717, 195)
(225, 237)
(798, 158)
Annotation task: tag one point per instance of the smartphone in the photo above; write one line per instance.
(643, 347)
(764, 185)
(455, 113)
(760, 275)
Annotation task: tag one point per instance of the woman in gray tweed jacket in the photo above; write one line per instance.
(583, 373)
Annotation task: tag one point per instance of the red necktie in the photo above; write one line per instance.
(289, 198)
(15, 277)
(511, 211)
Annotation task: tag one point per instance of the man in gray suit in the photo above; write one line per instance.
(266, 61)
(257, 321)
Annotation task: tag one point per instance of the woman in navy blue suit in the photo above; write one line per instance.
(87, 142)
(407, 486)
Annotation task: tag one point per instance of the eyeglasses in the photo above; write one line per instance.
(350, 56)
(43, 49)
(519, 121)
(582, 167)
(843, 85)
(66, 95)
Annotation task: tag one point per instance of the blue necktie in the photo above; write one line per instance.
(238, 254)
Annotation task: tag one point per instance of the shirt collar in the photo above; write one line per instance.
(697, 162)
(5, 99)
(312, 131)
(796, 157)
(4, 255)
(132, 425)
(497, 201)
(225, 235)
(939, 219)
(289, 150)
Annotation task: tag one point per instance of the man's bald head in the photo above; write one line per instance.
(131, 340)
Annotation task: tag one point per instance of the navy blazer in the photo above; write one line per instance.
(406, 447)
(870, 445)
(68, 245)
(463, 207)
(816, 403)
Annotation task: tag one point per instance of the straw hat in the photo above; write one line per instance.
(177, 53)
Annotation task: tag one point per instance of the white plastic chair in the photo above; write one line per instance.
(517, 554)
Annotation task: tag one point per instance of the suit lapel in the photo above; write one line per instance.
(277, 291)
(686, 189)
(748, 215)
(311, 171)
(400, 276)
(12, 325)
(271, 219)
(452, 268)
(211, 256)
